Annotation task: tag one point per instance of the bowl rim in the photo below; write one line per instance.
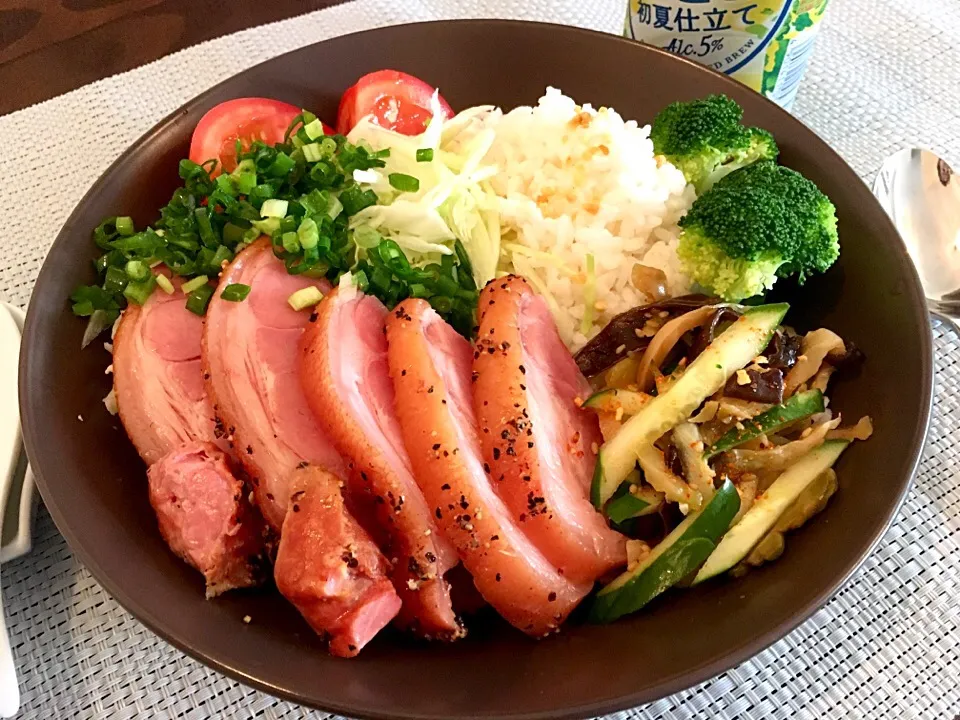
(681, 681)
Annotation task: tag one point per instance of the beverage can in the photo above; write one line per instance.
(765, 44)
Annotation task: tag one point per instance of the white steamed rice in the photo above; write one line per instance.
(573, 182)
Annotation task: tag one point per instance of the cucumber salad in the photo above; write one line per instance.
(718, 438)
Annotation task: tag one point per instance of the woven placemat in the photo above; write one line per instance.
(883, 77)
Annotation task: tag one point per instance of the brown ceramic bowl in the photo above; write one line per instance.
(94, 484)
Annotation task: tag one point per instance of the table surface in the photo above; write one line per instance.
(48, 48)
(884, 76)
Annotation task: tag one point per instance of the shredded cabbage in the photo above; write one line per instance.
(454, 201)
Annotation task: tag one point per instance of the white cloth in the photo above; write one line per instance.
(884, 76)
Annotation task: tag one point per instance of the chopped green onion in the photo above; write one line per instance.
(232, 234)
(308, 235)
(366, 237)
(139, 292)
(335, 207)
(245, 176)
(124, 225)
(235, 292)
(360, 280)
(261, 193)
(190, 285)
(164, 283)
(354, 199)
(290, 242)
(246, 184)
(314, 129)
(205, 227)
(302, 193)
(221, 256)
(244, 167)
(268, 226)
(198, 300)
(281, 165)
(403, 183)
(274, 208)
(226, 185)
(328, 146)
(137, 270)
(305, 298)
(115, 280)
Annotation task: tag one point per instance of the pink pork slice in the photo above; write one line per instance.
(431, 369)
(157, 377)
(329, 568)
(250, 365)
(201, 508)
(538, 444)
(204, 517)
(347, 382)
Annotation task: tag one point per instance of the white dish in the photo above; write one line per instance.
(17, 520)
(11, 450)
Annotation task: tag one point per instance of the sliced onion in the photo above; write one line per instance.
(779, 458)
(822, 378)
(664, 341)
(707, 413)
(817, 344)
(861, 431)
(660, 477)
(747, 490)
(98, 322)
(651, 281)
(734, 409)
(110, 402)
(689, 445)
(623, 375)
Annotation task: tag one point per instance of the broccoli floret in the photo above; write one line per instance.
(757, 224)
(705, 140)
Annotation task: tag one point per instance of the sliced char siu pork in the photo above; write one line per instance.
(328, 566)
(347, 383)
(201, 506)
(157, 376)
(539, 445)
(431, 369)
(250, 364)
(205, 518)
(250, 361)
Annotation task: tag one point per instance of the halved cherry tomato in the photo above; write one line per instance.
(243, 119)
(396, 100)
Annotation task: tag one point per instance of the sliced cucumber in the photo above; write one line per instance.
(769, 507)
(795, 408)
(625, 504)
(614, 399)
(674, 558)
(732, 350)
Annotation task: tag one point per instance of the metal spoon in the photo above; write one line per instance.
(921, 194)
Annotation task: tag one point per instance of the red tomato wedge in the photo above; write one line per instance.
(243, 119)
(396, 100)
